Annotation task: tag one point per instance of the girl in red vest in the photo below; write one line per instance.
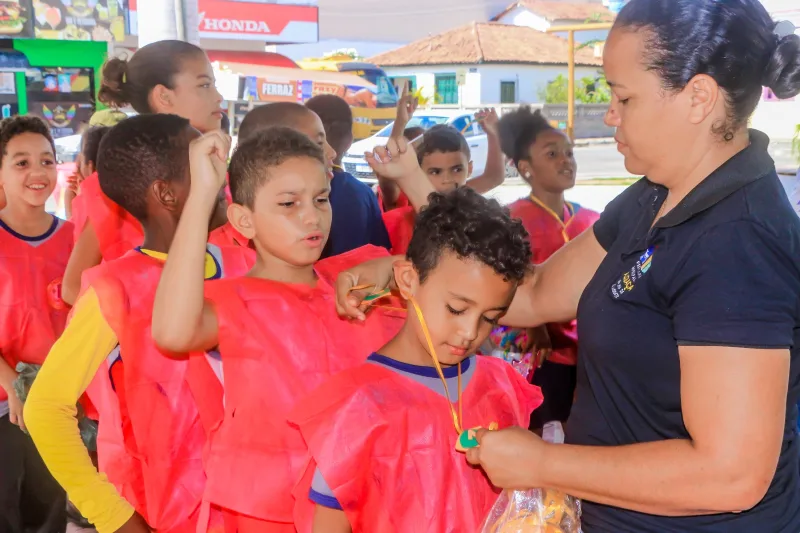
(34, 249)
(151, 433)
(172, 77)
(383, 435)
(545, 160)
(277, 329)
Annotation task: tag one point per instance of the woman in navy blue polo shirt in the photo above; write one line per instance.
(687, 292)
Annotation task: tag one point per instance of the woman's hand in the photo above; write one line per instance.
(510, 457)
(373, 276)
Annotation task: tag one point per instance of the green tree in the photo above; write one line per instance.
(796, 143)
(588, 90)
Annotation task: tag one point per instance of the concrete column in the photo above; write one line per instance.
(167, 19)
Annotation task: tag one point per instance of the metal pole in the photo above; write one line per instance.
(571, 88)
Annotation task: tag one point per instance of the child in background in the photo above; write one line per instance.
(381, 435)
(277, 329)
(87, 186)
(34, 249)
(357, 217)
(151, 437)
(171, 77)
(545, 160)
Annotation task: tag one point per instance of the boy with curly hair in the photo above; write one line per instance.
(382, 436)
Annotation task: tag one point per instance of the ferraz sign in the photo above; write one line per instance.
(284, 22)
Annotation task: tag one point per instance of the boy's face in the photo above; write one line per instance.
(551, 162)
(291, 218)
(310, 125)
(461, 301)
(447, 170)
(28, 173)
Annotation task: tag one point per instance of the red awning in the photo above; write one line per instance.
(266, 59)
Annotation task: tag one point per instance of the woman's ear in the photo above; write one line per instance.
(241, 218)
(161, 99)
(406, 278)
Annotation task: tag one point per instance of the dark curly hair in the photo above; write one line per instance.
(472, 227)
(337, 118)
(90, 142)
(17, 125)
(442, 138)
(139, 151)
(254, 158)
(733, 42)
(130, 81)
(518, 131)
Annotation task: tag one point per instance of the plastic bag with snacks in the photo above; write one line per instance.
(534, 511)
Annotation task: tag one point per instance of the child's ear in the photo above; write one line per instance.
(469, 168)
(165, 195)
(525, 170)
(406, 278)
(241, 218)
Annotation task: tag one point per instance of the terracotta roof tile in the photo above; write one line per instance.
(567, 10)
(486, 42)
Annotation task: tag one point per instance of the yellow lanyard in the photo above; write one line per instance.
(564, 225)
(458, 417)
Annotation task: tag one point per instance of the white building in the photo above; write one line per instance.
(485, 63)
(544, 15)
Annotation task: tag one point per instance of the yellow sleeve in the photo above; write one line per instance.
(50, 415)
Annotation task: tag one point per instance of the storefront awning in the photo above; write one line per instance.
(13, 61)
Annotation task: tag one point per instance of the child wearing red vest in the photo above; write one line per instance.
(34, 249)
(151, 435)
(445, 158)
(545, 160)
(277, 329)
(382, 435)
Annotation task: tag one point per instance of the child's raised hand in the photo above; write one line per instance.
(208, 161)
(395, 161)
(406, 107)
(488, 119)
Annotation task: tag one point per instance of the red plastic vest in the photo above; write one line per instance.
(278, 343)
(400, 225)
(33, 313)
(547, 236)
(117, 231)
(226, 235)
(386, 447)
(159, 460)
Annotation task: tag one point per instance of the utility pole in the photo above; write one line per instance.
(570, 30)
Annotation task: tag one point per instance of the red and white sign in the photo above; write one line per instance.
(279, 21)
(268, 22)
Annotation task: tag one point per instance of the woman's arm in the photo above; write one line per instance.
(85, 255)
(552, 291)
(734, 405)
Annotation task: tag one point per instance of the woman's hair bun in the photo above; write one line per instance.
(112, 88)
(782, 73)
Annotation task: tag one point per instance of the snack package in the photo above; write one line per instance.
(510, 345)
(534, 511)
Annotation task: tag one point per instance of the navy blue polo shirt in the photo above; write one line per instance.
(721, 269)
(357, 218)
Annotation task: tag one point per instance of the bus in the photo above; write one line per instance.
(367, 121)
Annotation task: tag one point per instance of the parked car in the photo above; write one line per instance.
(355, 163)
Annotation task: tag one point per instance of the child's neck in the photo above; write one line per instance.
(274, 269)
(406, 348)
(553, 200)
(158, 239)
(26, 219)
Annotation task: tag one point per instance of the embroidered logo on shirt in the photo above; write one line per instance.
(628, 280)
